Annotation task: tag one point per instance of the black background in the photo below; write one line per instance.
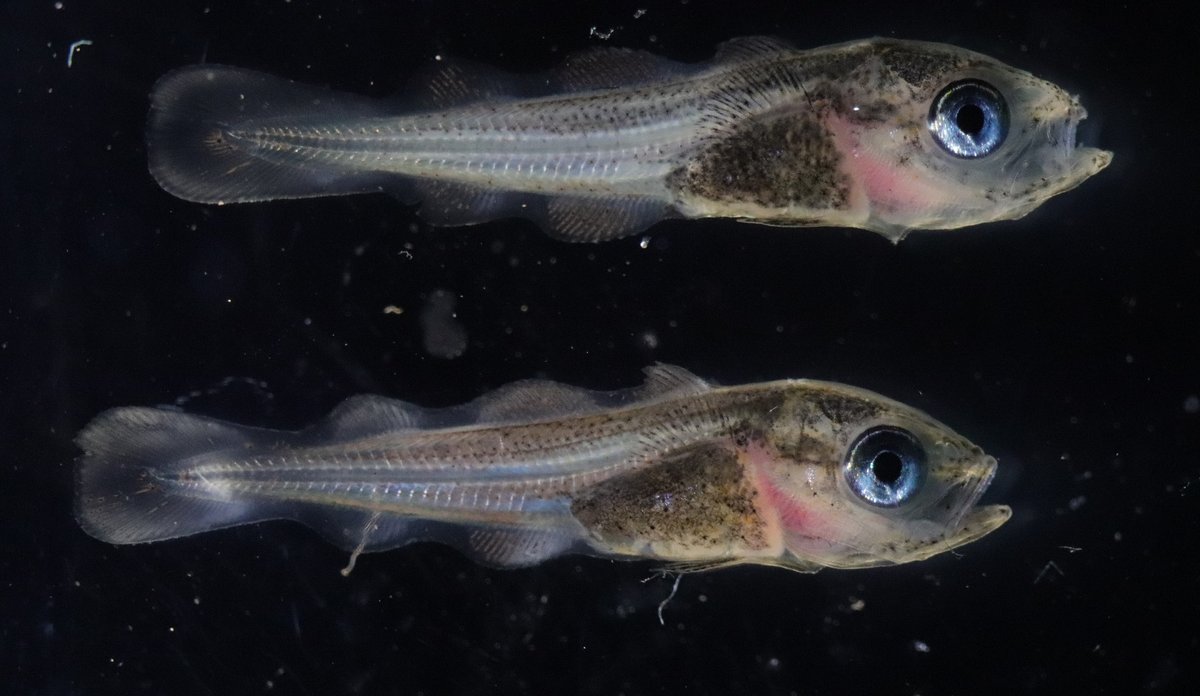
(1065, 344)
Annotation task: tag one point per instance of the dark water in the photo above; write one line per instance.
(1065, 343)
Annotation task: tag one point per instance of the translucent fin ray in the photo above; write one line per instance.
(366, 415)
(195, 152)
(520, 547)
(455, 82)
(588, 219)
(604, 68)
(670, 380)
(749, 48)
(124, 492)
(533, 399)
(571, 218)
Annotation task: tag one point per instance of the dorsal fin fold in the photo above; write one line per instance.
(457, 82)
(610, 68)
(366, 415)
(749, 48)
(533, 399)
(670, 380)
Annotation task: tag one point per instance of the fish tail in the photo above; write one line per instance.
(198, 151)
(128, 489)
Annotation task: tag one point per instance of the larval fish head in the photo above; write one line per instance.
(859, 480)
(950, 138)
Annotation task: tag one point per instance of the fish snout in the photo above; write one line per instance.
(1075, 161)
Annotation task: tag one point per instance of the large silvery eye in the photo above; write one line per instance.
(885, 466)
(969, 119)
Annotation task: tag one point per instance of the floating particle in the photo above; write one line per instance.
(442, 335)
(75, 47)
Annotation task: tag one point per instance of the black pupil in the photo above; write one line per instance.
(969, 119)
(887, 466)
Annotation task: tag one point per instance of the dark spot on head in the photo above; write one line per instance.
(918, 64)
(841, 408)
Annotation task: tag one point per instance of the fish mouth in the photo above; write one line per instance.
(976, 521)
(1076, 161)
(970, 522)
(1052, 160)
(981, 474)
(973, 521)
(971, 485)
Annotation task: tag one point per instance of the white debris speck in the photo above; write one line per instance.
(1191, 404)
(857, 605)
(644, 243)
(920, 646)
(1076, 502)
(650, 340)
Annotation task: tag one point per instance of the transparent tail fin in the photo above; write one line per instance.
(123, 492)
(195, 151)
(137, 481)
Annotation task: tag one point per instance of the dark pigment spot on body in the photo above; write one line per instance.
(699, 498)
(775, 161)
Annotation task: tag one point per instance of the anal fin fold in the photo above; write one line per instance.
(510, 547)
(595, 219)
(572, 218)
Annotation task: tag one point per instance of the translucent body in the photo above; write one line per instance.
(676, 470)
(616, 140)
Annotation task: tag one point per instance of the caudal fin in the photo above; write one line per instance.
(124, 492)
(197, 149)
